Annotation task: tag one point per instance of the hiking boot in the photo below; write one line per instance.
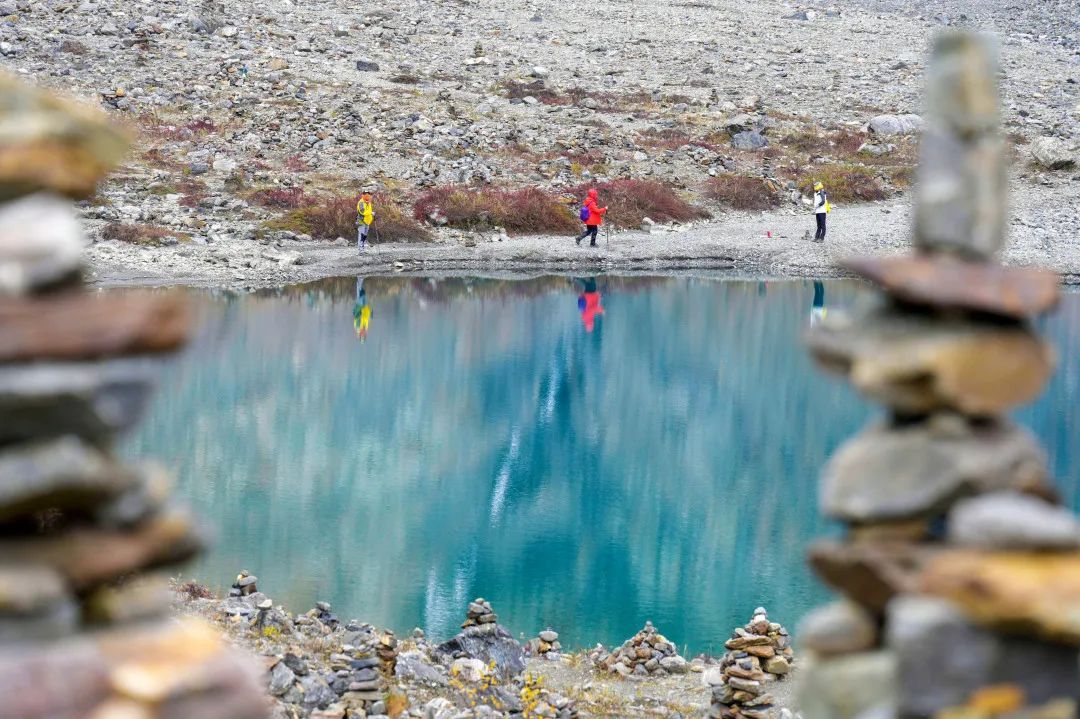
(593, 244)
(577, 241)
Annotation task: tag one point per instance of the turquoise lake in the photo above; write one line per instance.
(581, 469)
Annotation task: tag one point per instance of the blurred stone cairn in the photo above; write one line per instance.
(82, 632)
(758, 654)
(960, 573)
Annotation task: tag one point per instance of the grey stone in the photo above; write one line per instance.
(966, 657)
(941, 656)
(64, 473)
(92, 400)
(846, 687)
(367, 66)
(749, 141)
(414, 666)
(895, 124)
(280, 679)
(898, 472)
(962, 183)
(489, 643)
(317, 693)
(40, 243)
(841, 627)
(549, 636)
(1053, 153)
(1008, 520)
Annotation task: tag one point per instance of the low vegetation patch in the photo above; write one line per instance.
(138, 234)
(288, 198)
(836, 143)
(525, 211)
(740, 192)
(328, 217)
(631, 201)
(845, 183)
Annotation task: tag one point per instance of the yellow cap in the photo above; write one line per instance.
(819, 186)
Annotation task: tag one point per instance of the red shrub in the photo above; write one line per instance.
(295, 163)
(288, 198)
(631, 201)
(741, 192)
(525, 211)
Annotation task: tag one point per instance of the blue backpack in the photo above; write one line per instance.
(584, 214)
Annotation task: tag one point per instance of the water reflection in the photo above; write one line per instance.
(589, 302)
(487, 445)
(817, 306)
(361, 311)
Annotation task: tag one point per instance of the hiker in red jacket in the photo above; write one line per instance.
(593, 216)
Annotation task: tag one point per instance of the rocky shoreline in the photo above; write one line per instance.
(318, 665)
(770, 244)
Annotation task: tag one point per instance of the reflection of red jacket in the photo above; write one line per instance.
(591, 309)
(596, 213)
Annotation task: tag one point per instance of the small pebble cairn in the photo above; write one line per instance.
(387, 651)
(479, 613)
(546, 645)
(647, 653)
(244, 585)
(959, 570)
(758, 654)
(83, 628)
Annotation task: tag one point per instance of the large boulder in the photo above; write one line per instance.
(895, 124)
(488, 643)
(1053, 153)
(749, 140)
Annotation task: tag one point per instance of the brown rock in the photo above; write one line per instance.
(76, 326)
(1030, 592)
(52, 144)
(742, 642)
(764, 651)
(88, 556)
(918, 364)
(950, 283)
(142, 597)
(870, 574)
(896, 472)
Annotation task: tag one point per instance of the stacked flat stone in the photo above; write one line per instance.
(546, 644)
(387, 650)
(479, 612)
(758, 654)
(960, 574)
(647, 653)
(484, 639)
(82, 631)
(245, 584)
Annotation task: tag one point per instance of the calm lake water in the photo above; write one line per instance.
(583, 469)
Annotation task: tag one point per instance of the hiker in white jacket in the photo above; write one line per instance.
(821, 209)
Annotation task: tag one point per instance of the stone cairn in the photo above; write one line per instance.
(479, 612)
(483, 638)
(82, 628)
(960, 574)
(546, 645)
(758, 654)
(647, 653)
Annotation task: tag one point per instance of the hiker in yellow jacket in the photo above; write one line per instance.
(365, 215)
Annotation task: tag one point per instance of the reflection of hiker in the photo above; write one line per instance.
(588, 303)
(817, 309)
(361, 312)
(365, 215)
(593, 216)
(821, 208)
